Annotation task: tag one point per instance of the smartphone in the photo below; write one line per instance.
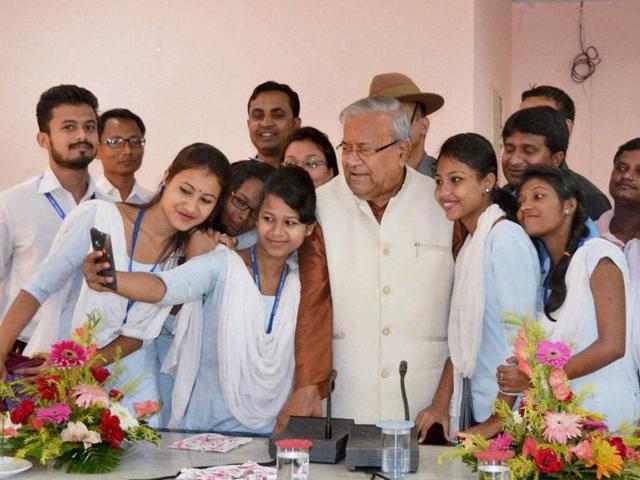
(102, 241)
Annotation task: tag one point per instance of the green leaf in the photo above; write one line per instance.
(97, 459)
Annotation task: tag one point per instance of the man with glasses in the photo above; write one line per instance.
(31, 212)
(417, 105)
(121, 150)
(382, 255)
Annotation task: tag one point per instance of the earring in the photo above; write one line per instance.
(161, 186)
(487, 189)
(566, 211)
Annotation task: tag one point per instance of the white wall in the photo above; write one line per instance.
(189, 67)
(545, 40)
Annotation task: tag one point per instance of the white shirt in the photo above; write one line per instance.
(28, 224)
(138, 196)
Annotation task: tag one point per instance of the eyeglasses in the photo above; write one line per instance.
(118, 142)
(241, 204)
(365, 152)
(310, 162)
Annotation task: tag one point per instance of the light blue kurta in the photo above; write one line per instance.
(511, 280)
(207, 275)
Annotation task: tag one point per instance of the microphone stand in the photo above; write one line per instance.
(328, 432)
(403, 390)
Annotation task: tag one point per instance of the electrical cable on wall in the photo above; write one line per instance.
(584, 64)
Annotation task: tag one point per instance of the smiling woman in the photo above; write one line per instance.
(496, 270)
(247, 329)
(586, 296)
(144, 238)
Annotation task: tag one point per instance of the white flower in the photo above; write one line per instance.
(127, 421)
(78, 432)
(517, 418)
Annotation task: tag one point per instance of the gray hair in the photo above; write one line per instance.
(391, 106)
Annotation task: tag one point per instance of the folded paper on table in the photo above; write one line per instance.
(210, 442)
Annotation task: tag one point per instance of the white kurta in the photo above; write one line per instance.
(391, 288)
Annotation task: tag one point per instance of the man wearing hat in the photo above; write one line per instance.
(417, 106)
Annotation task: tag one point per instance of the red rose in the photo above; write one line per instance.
(22, 412)
(619, 445)
(110, 429)
(547, 461)
(47, 386)
(115, 394)
(100, 374)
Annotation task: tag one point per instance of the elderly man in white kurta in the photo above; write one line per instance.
(387, 246)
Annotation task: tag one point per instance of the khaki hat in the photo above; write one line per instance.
(402, 88)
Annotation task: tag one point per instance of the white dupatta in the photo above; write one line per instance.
(256, 369)
(467, 307)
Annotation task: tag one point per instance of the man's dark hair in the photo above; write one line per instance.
(272, 86)
(565, 105)
(544, 121)
(121, 113)
(631, 146)
(62, 95)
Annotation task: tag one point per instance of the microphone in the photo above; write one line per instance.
(405, 401)
(327, 427)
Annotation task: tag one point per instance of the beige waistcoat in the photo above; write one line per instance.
(391, 288)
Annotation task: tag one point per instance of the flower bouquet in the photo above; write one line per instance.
(550, 436)
(71, 413)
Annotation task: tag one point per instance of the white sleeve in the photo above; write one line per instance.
(68, 251)
(6, 240)
(194, 278)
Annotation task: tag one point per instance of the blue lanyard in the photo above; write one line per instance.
(56, 206)
(134, 240)
(256, 279)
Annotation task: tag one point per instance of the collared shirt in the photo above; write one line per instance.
(427, 166)
(138, 196)
(604, 224)
(28, 224)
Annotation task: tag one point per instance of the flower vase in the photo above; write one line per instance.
(493, 470)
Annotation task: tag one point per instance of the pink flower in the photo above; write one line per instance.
(520, 347)
(597, 425)
(87, 395)
(562, 393)
(57, 413)
(529, 447)
(583, 450)
(557, 377)
(495, 455)
(502, 442)
(561, 426)
(553, 354)
(68, 354)
(146, 408)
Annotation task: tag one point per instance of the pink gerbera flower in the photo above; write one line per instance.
(501, 442)
(561, 426)
(87, 395)
(553, 354)
(68, 354)
(57, 413)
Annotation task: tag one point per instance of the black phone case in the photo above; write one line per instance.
(102, 241)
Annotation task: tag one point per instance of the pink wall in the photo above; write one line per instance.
(544, 42)
(188, 67)
(492, 67)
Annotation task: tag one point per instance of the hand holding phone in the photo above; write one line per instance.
(101, 241)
